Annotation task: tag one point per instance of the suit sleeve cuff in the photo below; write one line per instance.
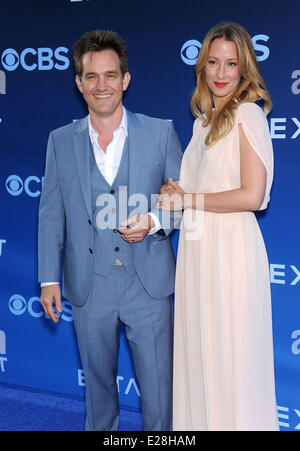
(44, 284)
(157, 225)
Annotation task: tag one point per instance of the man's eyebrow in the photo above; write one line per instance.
(106, 72)
(89, 73)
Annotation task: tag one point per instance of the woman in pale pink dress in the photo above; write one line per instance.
(223, 348)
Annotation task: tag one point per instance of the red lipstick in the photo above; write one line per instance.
(220, 85)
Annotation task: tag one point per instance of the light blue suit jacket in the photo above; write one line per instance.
(65, 230)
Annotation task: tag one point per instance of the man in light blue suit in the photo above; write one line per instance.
(118, 263)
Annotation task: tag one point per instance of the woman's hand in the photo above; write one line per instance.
(171, 196)
(167, 187)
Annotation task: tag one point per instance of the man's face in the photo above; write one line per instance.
(102, 83)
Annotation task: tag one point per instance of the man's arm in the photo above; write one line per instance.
(169, 220)
(51, 234)
(157, 222)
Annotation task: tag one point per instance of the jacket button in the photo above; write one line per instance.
(117, 249)
(91, 250)
(115, 230)
(90, 222)
(112, 191)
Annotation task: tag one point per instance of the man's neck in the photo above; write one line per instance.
(106, 125)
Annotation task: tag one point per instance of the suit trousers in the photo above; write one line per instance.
(113, 300)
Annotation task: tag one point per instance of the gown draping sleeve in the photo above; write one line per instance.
(184, 178)
(255, 126)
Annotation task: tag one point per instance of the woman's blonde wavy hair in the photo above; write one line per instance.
(251, 87)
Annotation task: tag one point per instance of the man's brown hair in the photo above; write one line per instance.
(96, 41)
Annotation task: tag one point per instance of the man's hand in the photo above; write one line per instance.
(135, 229)
(49, 294)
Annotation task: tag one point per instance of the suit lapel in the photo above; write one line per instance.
(81, 142)
(135, 152)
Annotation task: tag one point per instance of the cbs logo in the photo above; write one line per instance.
(190, 49)
(18, 305)
(15, 185)
(30, 59)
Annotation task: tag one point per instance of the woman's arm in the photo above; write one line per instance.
(248, 197)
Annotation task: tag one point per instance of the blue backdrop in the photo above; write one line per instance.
(38, 94)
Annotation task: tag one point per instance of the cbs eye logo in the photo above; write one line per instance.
(189, 52)
(14, 185)
(17, 304)
(10, 59)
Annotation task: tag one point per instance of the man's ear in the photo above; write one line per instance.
(126, 80)
(78, 83)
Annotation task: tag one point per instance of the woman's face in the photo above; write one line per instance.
(222, 70)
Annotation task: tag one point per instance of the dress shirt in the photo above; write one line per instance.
(108, 162)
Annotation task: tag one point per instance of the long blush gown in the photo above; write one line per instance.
(223, 351)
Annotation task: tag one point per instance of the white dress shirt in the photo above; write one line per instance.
(108, 162)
